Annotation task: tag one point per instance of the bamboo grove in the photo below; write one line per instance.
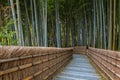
(60, 23)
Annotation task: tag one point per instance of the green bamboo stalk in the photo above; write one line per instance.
(111, 34)
(114, 34)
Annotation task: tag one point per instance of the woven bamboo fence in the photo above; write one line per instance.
(107, 62)
(79, 50)
(32, 63)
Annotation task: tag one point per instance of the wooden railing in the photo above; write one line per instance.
(107, 62)
(32, 63)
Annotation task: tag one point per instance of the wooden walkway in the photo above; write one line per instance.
(79, 69)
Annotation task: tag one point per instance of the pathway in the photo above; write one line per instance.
(79, 69)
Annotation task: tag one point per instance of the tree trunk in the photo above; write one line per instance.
(44, 6)
(90, 30)
(108, 24)
(73, 33)
(111, 32)
(119, 27)
(15, 21)
(33, 24)
(58, 30)
(94, 23)
(27, 25)
(20, 30)
(104, 29)
(101, 25)
(98, 24)
(85, 28)
(79, 32)
(67, 32)
(40, 26)
(36, 22)
(114, 29)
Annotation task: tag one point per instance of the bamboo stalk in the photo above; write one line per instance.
(111, 34)
(8, 71)
(28, 78)
(114, 30)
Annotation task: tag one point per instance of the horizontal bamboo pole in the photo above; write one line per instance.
(107, 55)
(112, 63)
(23, 66)
(49, 61)
(100, 67)
(23, 57)
(45, 69)
(95, 55)
(38, 73)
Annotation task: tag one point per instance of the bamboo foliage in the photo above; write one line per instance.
(32, 22)
(38, 22)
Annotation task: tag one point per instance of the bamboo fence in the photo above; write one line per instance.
(79, 50)
(32, 63)
(106, 61)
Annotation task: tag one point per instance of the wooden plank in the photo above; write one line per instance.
(72, 73)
